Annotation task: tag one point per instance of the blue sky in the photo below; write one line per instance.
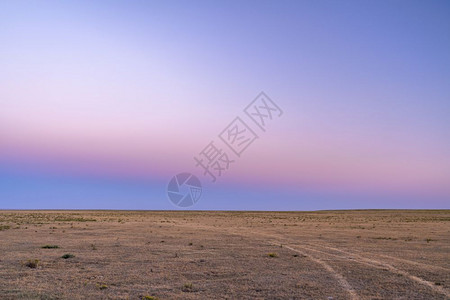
(103, 102)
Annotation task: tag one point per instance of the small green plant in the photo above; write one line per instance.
(149, 298)
(190, 244)
(32, 263)
(67, 256)
(188, 287)
(50, 247)
(103, 286)
(93, 247)
(272, 254)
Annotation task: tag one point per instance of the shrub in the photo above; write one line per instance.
(67, 255)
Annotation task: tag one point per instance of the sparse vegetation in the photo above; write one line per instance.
(32, 263)
(188, 287)
(75, 220)
(238, 250)
(50, 247)
(4, 227)
(384, 238)
(67, 256)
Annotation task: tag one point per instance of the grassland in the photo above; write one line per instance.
(376, 254)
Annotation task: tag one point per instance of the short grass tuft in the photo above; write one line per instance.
(67, 256)
(188, 287)
(50, 247)
(32, 263)
(272, 255)
(4, 227)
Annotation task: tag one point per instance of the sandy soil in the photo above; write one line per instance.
(225, 255)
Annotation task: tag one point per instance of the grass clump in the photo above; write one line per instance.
(149, 298)
(50, 247)
(188, 287)
(4, 227)
(272, 255)
(32, 263)
(67, 256)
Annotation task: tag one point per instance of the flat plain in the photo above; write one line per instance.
(367, 254)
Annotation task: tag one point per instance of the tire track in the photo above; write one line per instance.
(353, 257)
(339, 278)
(415, 263)
(402, 260)
(376, 263)
(349, 256)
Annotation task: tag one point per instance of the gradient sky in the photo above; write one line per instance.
(102, 102)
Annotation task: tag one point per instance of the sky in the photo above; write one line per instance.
(103, 102)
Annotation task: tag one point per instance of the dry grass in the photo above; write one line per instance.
(32, 263)
(203, 255)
